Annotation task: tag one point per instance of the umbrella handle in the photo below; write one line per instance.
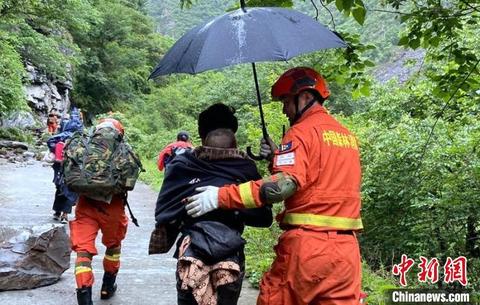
(251, 155)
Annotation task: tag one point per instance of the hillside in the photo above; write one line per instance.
(380, 29)
(174, 21)
(419, 132)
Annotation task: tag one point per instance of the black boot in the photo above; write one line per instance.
(108, 286)
(84, 296)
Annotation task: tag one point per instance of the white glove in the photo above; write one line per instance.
(203, 202)
(267, 147)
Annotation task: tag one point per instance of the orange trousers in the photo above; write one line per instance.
(313, 268)
(90, 217)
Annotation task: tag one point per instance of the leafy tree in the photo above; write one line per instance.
(174, 21)
(419, 197)
(109, 46)
(11, 71)
(119, 56)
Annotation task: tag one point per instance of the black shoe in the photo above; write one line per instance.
(56, 216)
(84, 296)
(64, 218)
(108, 286)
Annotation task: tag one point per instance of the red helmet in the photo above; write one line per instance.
(116, 124)
(296, 80)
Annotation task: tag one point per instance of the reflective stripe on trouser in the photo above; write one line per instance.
(111, 260)
(83, 270)
(89, 219)
(328, 273)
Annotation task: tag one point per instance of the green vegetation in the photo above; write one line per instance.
(15, 134)
(108, 47)
(419, 139)
(11, 71)
(376, 283)
(174, 21)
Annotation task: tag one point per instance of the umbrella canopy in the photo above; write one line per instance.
(246, 35)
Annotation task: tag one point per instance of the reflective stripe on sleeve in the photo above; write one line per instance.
(323, 221)
(246, 195)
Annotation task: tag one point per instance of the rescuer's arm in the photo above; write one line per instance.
(252, 194)
(290, 167)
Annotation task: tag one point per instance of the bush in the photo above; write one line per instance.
(16, 134)
(375, 284)
(259, 253)
(152, 175)
(11, 71)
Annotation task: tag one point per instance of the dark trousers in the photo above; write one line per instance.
(64, 198)
(61, 203)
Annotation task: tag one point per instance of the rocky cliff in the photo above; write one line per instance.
(43, 93)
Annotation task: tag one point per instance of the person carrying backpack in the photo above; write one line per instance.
(101, 168)
(173, 149)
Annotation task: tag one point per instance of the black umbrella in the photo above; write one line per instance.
(247, 35)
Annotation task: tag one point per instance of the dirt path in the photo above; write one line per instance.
(26, 196)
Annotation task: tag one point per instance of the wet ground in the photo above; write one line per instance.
(26, 196)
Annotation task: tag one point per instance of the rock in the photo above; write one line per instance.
(36, 92)
(13, 144)
(33, 257)
(28, 154)
(19, 119)
(34, 75)
(19, 151)
(45, 93)
(401, 66)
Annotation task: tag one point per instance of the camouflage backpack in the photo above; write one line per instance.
(100, 164)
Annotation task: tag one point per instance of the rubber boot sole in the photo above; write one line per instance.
(106, 294)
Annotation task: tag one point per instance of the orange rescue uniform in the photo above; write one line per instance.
(318, 258)
(91, 216)
(167, 152)
(52, 124)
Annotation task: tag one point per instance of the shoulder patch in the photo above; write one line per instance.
(285, 159)
(285, 147)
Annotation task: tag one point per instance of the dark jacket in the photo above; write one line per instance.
(187, 172)
(215, 236)
(66, 132)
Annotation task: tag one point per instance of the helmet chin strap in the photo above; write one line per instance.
(298, 113)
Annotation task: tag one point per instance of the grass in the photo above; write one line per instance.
(152, 175)
(376, 283)
(259, 253)
(16, 134)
